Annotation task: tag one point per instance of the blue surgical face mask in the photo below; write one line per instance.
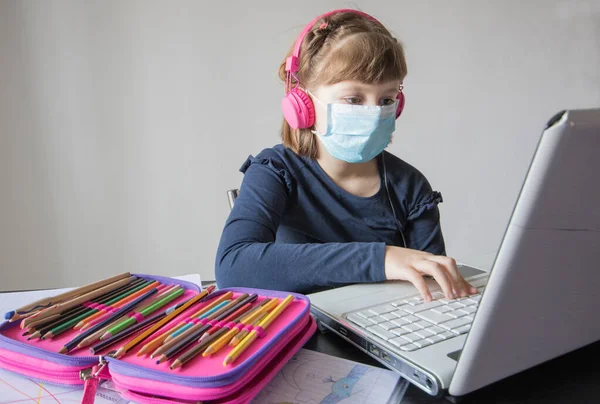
(357, 133)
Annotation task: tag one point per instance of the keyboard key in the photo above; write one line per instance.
(476, 298)
(450, 325)
(376, 320)
(399, 313)
(413, 300)
(470, 309)
(462, 330)
(421, 307)
(399, 331)
(399, 322)
(435, 329)
(409, 347)
(422, 343)
(433, 317)
(388, 316)
(387, 325)
(457, 313)
(423, 333)
(398, 303)
(411, 327)
(386, 308)
(481, 289)
(411, 318)
(435, 338)
(380, 332)
(456, 305)
(410, 337)
(398, 341)
(442, 309)
(421, 324)
(365, 314)
(446, 335)
(356, 319)
(470, 302)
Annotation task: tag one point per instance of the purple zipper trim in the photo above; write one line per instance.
(66, 360)
(126, 369)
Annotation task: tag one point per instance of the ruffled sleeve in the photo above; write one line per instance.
(428, 203)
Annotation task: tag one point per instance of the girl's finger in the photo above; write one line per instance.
(440, 274)
(414, 277)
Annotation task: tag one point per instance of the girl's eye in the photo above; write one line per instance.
(352, 100)
(388, 101)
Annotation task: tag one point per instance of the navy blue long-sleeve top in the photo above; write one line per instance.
(293, 229)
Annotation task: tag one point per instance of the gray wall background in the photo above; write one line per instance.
(123, 123)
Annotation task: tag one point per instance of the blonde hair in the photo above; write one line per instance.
(339, 47)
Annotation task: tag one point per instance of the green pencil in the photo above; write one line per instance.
(144, 312)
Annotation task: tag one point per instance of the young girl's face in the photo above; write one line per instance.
(351, 92)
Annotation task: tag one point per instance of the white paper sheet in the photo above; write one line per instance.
(313, 377)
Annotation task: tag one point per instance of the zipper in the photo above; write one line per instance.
(51, 376)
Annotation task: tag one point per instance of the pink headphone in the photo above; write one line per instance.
(298, 109)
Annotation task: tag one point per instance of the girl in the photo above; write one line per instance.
(329, 207)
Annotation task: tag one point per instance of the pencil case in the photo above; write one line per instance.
(140, 379)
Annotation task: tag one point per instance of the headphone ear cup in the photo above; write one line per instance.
(401, 100)
(298, 109)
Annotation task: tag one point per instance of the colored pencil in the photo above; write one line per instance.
(47, 302)
(184, 340)
(246, 342)
(115, 304)
(240, 334)
(132, 330)
(221, 342)
(204, 309)
(120, 313)
(244, 319)
(67, 325)
(144, 313)
(217, 327)
(59, 308)
(191, 322)
(75, 311)
(159, 339)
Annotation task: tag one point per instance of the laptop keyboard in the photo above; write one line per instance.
(413, 323)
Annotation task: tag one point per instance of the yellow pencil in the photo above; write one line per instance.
(264, 324)
(256, 316)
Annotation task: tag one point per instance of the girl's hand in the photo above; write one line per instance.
(410, 265)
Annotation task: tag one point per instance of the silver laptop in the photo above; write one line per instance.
(540, 300)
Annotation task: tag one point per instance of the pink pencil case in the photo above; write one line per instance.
(140, 379)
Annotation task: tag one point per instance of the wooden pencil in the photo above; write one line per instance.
(31, 308)
(76, 301)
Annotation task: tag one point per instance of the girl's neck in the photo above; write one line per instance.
(361, 179)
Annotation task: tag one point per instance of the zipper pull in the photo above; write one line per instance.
(91, 380)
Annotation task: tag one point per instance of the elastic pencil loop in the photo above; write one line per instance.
(259, 331)
(195, 321)
(187, 320)
(248, 327)
(139, 317)
(229, 325)
(101, 306)
(204, 321)
(239, 326)
(90, 305)
(213, 322)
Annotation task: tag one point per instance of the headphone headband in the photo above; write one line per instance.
(292, 65)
